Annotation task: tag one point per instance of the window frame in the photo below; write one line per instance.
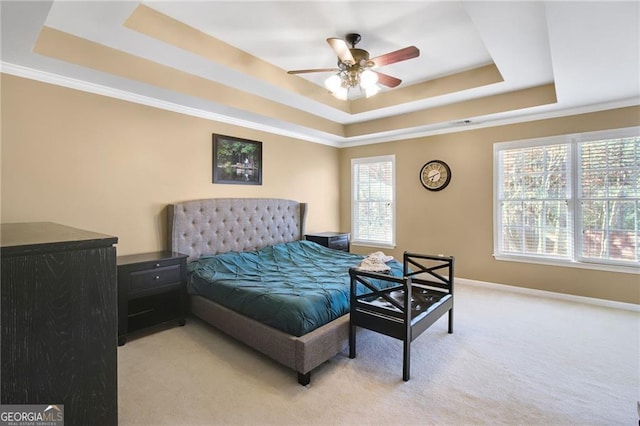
(574, 198)
(355, 238)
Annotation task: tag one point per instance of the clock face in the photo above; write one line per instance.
(435, 175)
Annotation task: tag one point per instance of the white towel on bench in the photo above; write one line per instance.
(375, 262)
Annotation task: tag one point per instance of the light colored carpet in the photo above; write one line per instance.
(513, 359)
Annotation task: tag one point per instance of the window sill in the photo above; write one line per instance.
(571, 264)
(371, 244)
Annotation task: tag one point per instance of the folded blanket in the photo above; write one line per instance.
(376, 262)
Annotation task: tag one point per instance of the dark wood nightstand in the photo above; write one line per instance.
(151, 291)
(333, 240)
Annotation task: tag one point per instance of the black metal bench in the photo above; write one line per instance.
(429, 281)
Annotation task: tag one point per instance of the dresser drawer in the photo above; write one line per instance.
(154, 278)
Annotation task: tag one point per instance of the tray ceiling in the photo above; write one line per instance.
(481, 63)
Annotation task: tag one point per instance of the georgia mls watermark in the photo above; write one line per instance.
(32, 415)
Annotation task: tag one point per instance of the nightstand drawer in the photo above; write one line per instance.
(154, 278)
(332, 240)
(339, 243)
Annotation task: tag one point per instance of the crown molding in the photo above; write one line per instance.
(84, 86)
(330, 140)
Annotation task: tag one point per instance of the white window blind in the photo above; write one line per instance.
(373, 200)
(572, 199)
(608, 199)
(534, 201)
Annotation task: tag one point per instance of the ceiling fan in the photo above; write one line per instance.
(353, 62)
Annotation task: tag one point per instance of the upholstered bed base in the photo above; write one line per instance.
(301, 354)
(214, 226)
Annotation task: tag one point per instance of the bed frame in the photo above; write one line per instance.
(219, 225)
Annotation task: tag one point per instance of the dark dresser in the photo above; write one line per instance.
(59, 320)
(333, 240)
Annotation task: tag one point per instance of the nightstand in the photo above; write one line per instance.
(333, 240)
(151, 291)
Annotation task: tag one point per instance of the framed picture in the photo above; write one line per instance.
(237, 160)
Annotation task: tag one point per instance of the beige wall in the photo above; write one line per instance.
(458, 221)
(111, 166)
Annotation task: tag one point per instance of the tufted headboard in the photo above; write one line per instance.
(219, 225)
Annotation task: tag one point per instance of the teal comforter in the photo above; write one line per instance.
(294, 287)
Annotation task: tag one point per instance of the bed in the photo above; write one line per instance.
(208, 229)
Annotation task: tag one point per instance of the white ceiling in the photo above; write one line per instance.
(589, 50)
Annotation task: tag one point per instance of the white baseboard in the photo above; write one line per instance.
(551, 295)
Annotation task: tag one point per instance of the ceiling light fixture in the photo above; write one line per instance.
(353, 82)
(355, 78)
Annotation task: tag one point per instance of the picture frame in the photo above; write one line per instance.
(236, 160)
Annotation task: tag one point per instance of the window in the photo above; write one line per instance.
(569, 200)
(373, 200)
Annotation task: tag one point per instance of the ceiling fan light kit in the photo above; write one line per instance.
(353, 84)
(355, 77)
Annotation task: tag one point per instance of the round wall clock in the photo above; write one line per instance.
(435, 175)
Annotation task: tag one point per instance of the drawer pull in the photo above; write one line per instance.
(157, 265)
(150, 278)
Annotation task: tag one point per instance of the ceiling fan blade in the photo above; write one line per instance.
(387, 80)
(397, 56)
(313, 70)
(342, 50)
